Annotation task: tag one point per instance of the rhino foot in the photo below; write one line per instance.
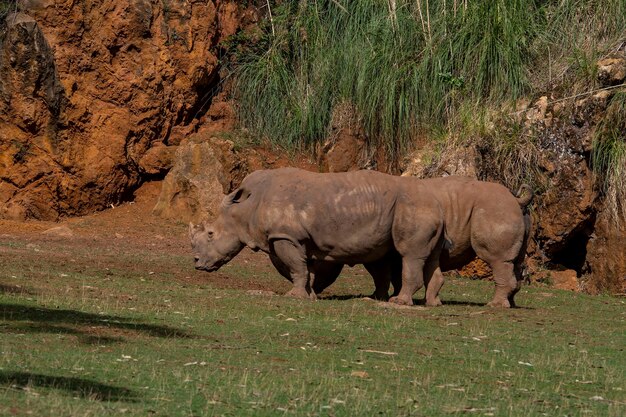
(379, 297)
(434, 303)
(499, 303)
(407, 301)
(301, 293)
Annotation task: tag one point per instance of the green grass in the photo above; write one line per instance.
(107, 330)
(608, 155)
(6, 7)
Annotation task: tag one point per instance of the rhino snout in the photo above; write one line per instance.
(206, 266)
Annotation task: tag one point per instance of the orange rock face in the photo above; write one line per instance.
(476, 269)
(91, 94)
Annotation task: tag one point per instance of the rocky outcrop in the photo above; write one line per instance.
(32, 104)
(606, 255)
(206, 168)
(346, 147)
(95, 97)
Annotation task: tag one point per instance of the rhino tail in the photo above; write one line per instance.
(524, 195)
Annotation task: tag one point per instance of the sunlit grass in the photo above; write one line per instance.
(81, 339)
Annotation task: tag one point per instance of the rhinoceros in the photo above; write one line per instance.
(480, 219)
(302, 218)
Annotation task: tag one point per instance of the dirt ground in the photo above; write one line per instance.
(132, 228)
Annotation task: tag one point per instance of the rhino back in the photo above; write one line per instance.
(338, 216)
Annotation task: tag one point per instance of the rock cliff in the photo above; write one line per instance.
(96, 95)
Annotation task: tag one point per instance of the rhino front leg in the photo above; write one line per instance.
(292, 257)
(417, 272)
(280, 267)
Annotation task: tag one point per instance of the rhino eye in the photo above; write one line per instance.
(210, 234)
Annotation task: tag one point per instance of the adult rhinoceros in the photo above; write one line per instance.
(480, 219)
(302, 218)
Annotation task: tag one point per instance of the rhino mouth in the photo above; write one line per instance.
(207, 268)
(211, 267)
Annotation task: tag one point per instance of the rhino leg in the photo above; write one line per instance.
(381, 271)
(433, 285)
(396, 273)
(292, 257)
(518, 271)
(519, 261)
(506, 284)
(323, 274)
(280, 267)
(415, 272)
(412, 280)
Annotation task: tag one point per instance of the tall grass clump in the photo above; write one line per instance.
(576, 34)
(6, 7)
(406, 66)
(609, 155)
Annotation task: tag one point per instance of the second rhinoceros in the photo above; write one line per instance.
(480, 219)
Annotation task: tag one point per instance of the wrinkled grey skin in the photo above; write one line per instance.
(480, 218)
(300, 218)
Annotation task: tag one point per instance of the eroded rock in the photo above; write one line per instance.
(346, 148)
(205, 169)
(612, 70)
(90, 105)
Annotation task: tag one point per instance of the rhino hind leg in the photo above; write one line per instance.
(292, 257)
(506, 284)
(433, 285)
(517, 270)
(381, 271)
(323, 274)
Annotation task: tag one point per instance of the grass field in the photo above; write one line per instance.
(92, 328)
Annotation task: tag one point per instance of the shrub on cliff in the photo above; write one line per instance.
(413, 67)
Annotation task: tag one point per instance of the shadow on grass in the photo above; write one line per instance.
(86, 337)
(15, 289)
(45, 319)
(344, 297)
(84, 388)
(417, 302)
(459, 303)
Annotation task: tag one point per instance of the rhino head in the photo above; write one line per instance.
(214, 245)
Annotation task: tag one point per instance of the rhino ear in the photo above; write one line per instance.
(239, 195)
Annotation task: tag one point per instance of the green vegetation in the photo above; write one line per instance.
(8, 6)
(415, 68)
(609, 154)
(100, 329)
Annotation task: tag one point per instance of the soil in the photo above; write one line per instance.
(131, 228)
